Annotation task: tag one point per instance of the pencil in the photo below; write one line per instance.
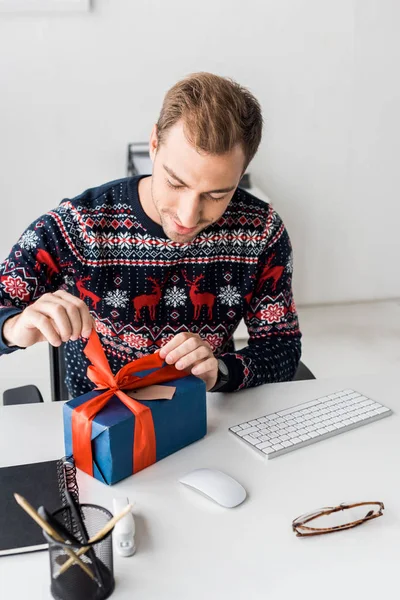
(107, 527)
(52, 532)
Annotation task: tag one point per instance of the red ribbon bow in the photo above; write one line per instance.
(144, 445)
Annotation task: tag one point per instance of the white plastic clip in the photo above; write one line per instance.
(124, 530)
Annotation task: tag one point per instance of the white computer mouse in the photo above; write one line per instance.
(216, 485)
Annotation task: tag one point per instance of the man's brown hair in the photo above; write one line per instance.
(217, 112)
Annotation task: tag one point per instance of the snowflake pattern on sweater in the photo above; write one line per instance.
(142, 289)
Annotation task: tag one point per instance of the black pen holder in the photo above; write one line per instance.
(69, 581)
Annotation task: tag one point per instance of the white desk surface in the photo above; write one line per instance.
(190, 548)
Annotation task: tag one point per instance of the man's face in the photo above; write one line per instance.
(190, 190)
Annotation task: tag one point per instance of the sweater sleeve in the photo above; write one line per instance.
(274, 346)
(31, 269)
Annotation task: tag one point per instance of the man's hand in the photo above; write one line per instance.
(55, 318)
(189, 351)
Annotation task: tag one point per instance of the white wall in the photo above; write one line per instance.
(75, 89)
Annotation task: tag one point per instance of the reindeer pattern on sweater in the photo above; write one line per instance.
(142, 288)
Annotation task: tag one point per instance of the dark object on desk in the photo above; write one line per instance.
(73, 583)
(43, 483)
(303, 373)
(25, 394)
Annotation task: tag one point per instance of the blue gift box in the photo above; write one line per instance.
(177, 423)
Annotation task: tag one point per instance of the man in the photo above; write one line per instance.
(169, 262)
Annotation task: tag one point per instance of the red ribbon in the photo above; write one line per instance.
(144, 445)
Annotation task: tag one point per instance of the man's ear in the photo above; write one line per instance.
(153, 145)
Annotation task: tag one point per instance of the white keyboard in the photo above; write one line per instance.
(310, 422)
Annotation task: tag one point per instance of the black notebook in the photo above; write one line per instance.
(41, 484)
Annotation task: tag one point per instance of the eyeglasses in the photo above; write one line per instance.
(344, 516)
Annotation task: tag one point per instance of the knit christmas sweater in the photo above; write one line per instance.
(142, 289)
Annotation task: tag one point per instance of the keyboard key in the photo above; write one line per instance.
(263, 445)
(269, 450)
(330, 428)
(286, 444)
(293, 409)
(322, 430)
(296, 440)
(244, 432)
(236, 428)
(364, 416)
(275, 441)
(250, 439)
(365, 403)
(278, 447)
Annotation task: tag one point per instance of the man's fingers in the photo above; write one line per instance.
(57, 318)
(176, 342)
(205, 366)
(73, 314)
(86, 320)
(46, 327)
(58, 315)
(192, 358)
(186, 344)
